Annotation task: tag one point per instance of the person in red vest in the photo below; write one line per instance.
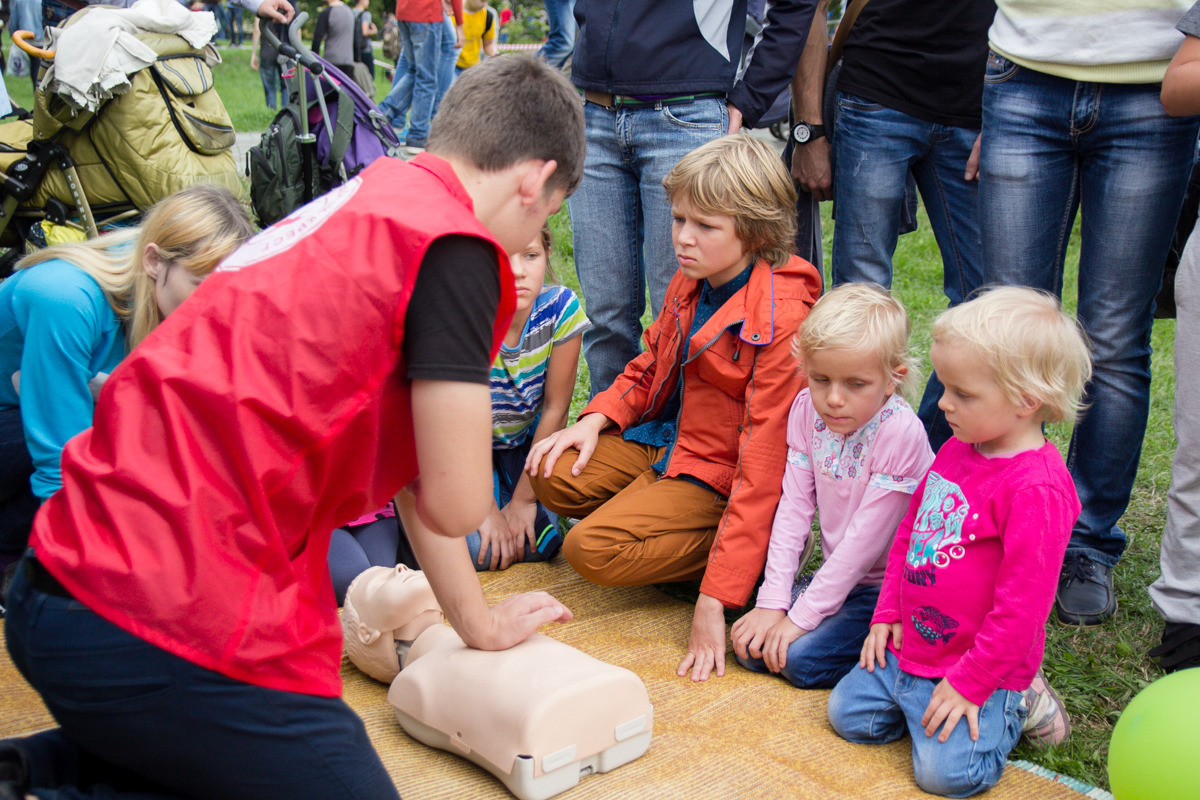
(175, 610)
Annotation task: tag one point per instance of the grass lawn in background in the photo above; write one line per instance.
(1097, 671)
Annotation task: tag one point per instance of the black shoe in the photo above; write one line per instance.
(1180, 648)
(14, 770)
(1085, 592)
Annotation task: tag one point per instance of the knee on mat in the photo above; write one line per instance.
(951, 777)
(590, 563)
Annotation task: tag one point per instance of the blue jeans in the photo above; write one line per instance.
(140, 722)
(879, 707)
(448, 58)
(560, 40)
(420, 44)
(877, 147)
(822, 657)
(622, 220)
(507, 466)
(272, 81)
(1050, 146)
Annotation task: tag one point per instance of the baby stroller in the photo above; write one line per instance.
(86, 163)
(327, 133)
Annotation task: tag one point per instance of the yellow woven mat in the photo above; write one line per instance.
(740, 736)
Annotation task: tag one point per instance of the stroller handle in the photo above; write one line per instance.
(294, 49)
(21, 40)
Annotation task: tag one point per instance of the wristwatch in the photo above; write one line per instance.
(804, 133)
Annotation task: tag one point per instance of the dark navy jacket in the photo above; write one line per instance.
(669, 47)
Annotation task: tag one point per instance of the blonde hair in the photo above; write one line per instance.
(194, 229)
(1036, 353)
(741, 177)
(861, 317)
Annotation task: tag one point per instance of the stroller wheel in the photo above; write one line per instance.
(780, 130)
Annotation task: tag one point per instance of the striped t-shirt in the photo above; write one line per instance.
(519, 373)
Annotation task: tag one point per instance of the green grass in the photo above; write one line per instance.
(1097, 670)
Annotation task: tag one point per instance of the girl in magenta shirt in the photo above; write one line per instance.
(959, 629)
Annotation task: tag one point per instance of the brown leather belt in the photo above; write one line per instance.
(609, 100)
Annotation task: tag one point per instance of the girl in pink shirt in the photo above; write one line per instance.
(959, 628)
(856, 452)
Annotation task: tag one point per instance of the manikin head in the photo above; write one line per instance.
(386, 607)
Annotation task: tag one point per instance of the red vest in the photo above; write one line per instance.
(266, 411)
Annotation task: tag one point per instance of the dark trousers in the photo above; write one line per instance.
(140, 722)
(17, 501)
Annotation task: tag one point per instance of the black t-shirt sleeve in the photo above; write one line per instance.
(448, 325)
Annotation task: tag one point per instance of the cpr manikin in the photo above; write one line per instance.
(538, 716)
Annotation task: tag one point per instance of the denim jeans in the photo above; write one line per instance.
(622, 220)
(272, 80)
(879, 707)
(18, 503)
(560, 40)
(139, 721)
(448, 58)
(421, 47)
(1050, 147)
(822, 657)
(507, 466)
(877, 147)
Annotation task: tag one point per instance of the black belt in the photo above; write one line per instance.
(41, 579)
(620, 100)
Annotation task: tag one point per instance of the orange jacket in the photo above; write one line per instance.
(732, 423)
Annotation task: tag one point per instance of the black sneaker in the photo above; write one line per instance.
(1180, 648)
(1085, 592)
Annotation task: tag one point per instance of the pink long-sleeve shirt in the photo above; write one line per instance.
(861, 483)
(973, 571)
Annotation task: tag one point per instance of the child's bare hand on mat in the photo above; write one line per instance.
(947, 705)
(520, 516)
(495, 532)
(779, 639)
(515, 619)
(706, 645)
(749, 632)
(581, 436)
(875, 647)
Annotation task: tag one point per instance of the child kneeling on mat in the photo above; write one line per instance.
(972, 574)
(686, 482)
(856, 452)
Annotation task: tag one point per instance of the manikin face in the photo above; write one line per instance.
(529, 272)
(388, 599)
(172, 283)
(706, 245)
(848, 387)
(977, 409)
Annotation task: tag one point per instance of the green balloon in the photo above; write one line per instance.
(1155, 749)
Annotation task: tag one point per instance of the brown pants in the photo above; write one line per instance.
(636, 528)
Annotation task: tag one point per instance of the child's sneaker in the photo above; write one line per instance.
(1047, 722)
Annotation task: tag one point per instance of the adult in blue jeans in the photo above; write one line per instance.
(1069, 125)
(414, 91)
(560, 39)
(908, 103)
(399, 99)
(658, 83)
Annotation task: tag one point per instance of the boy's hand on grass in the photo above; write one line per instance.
(495, 532)
(520, 516)
(582, 436)
(875, 647)
(749, 632)
(779, 639)
(706, 645)
(949, 706)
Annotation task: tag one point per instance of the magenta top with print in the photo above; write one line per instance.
(973, 571)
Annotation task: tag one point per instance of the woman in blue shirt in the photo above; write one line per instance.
(71, 312)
